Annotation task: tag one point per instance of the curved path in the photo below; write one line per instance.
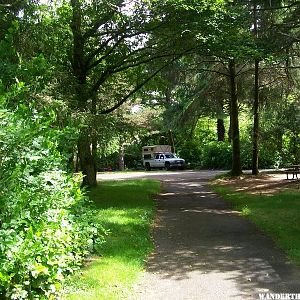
(205, 250)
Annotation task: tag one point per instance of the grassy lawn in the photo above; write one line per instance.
(126, 209)
(276, 213)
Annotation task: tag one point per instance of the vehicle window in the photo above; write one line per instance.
(161, 157)
(157, 156)
(170, 156)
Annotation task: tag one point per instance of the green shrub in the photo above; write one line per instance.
(269, 157)
(216, 155)
(46, 221)
(246, 153)
(191, 152)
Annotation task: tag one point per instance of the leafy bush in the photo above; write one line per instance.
(46, 226)
(269, 157)
(217, 155)
(191, 152)
(246, 153)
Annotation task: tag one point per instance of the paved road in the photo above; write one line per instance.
(205, 250)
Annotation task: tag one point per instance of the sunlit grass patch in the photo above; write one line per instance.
(277, 214)
(126, 210)
(245, 211)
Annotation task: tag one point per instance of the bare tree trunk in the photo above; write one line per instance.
(234, 118)
(87, 162)
(86, 153)
(171, 140)
(255, 106)
(221, 130)
(255, 150)
(230, 126)
(220, 122)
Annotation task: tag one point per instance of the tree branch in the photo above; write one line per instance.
(110, 51)
(291, 37)
(138, 87)
(129, 64)
(123, 35)
(93, 29)
(98, 50)
(141, 61)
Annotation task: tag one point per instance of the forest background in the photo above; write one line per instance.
(85, 84)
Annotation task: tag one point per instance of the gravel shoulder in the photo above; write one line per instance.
(205, 250)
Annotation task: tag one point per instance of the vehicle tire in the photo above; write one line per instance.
(167, 166)
(147, 167)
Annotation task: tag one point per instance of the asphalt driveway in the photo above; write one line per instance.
(205, 250)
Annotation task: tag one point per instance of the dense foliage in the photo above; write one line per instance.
(46, 221)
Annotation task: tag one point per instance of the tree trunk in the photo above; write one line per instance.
(255, 105)
(121, 157)
(255, 122)
(87, 162)
(221, 130)
(86, 153)
(171, 140)
(234, 118)
(230, 126)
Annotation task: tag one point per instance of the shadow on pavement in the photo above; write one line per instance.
(202, 242)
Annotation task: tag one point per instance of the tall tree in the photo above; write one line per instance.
(119, 38)
(273, 36)
(113, 41)
(256, 100)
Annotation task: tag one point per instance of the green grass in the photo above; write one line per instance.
(278, 215)
(126, 209)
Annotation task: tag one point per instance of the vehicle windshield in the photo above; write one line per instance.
(170, 155)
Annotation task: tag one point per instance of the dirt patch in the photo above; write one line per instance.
(263, 184)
